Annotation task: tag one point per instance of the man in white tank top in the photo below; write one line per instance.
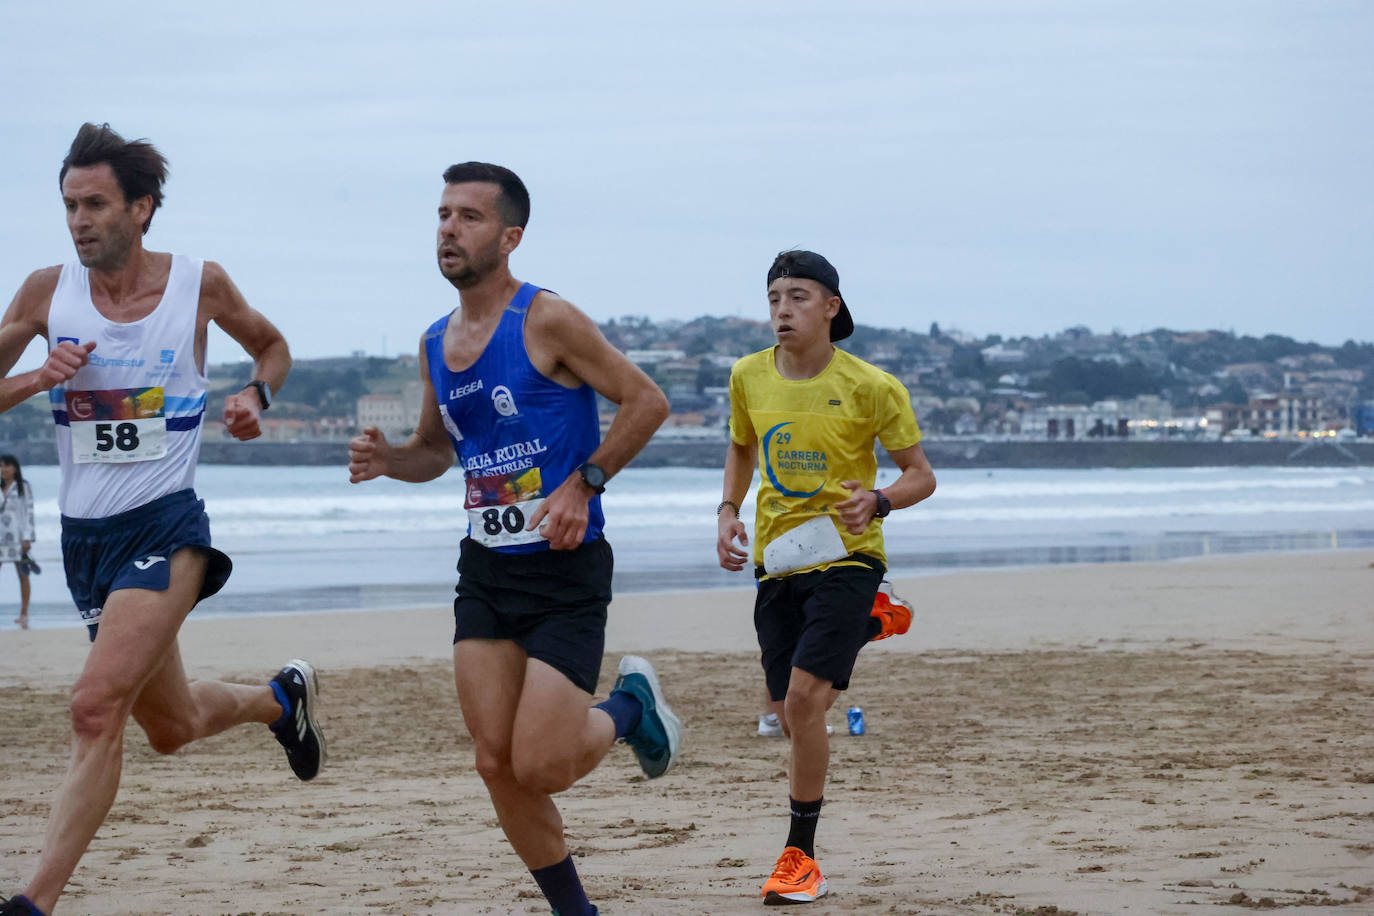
(126, 329)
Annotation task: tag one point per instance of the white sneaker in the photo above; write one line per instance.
(770, 727)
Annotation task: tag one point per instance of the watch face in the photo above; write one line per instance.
(594, 476)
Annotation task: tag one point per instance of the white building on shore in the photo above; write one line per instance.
(396, 415)
(1144, 417)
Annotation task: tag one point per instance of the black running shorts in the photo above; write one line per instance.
(551, 603)
(815, 621)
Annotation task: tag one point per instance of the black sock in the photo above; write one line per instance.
(562, 889)
(802, 833)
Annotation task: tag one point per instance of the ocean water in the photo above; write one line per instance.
(303, 538)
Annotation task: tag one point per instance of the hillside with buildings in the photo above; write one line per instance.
(1074, 385)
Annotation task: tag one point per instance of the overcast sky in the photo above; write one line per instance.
(1015, 167)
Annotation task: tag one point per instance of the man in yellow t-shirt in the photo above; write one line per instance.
(809, 415)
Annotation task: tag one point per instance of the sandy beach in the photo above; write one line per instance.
(1141, 738)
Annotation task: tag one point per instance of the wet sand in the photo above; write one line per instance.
(1141, 738)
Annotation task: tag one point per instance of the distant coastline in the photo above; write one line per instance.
(943, 453)
(993, 453)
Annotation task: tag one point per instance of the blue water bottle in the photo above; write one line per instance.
(856, 720)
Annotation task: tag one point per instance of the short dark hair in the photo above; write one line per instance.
(514, 199)
(137, 165)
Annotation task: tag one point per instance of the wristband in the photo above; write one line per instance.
(264, 392)
(723, 504)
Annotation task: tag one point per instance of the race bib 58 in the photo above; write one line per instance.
(125, 424)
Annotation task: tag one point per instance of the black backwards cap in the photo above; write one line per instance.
(807, 265)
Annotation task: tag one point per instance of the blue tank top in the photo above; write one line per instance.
(518, 433)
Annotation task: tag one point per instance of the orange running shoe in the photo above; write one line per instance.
(795, 879)
(892, 612)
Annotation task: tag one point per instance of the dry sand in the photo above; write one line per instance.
(1110, 739)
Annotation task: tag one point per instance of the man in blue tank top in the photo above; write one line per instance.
(510, 384)
(128, 438)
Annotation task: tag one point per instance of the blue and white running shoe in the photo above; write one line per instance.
(656, 738)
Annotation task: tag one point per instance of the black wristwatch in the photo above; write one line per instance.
(593, 476)
(263, 390)
(883, 507)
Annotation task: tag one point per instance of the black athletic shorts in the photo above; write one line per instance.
(815, 621)
(134, 550)
(551, 603)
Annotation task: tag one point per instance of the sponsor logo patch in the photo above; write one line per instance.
(503, 401)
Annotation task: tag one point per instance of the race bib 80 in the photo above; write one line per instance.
(125, 424)
(499, 507)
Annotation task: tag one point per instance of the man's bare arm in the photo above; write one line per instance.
(559, 330)
(578, 344)
(424, 456)
(222, 303)
(25, 319)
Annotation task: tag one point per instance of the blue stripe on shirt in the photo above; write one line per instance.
(174, 424)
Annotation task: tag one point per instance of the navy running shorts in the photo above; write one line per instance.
(134, 550)
(551, 603)
(815, 621)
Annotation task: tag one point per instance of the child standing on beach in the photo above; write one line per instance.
(809, 415)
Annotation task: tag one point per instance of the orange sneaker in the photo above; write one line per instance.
(795, 879)
(892, 612)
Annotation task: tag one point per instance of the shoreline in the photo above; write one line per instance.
(391, 598)
(944, 453)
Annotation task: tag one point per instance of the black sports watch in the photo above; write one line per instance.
(883, 507)
(264, 392)
(593, 476)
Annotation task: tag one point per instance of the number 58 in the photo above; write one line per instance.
(124, 437)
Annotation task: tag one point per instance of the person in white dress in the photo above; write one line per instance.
(16, 527)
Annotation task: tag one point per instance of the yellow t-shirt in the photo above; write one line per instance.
(813, 434)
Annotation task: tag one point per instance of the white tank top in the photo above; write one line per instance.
(128, 423)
